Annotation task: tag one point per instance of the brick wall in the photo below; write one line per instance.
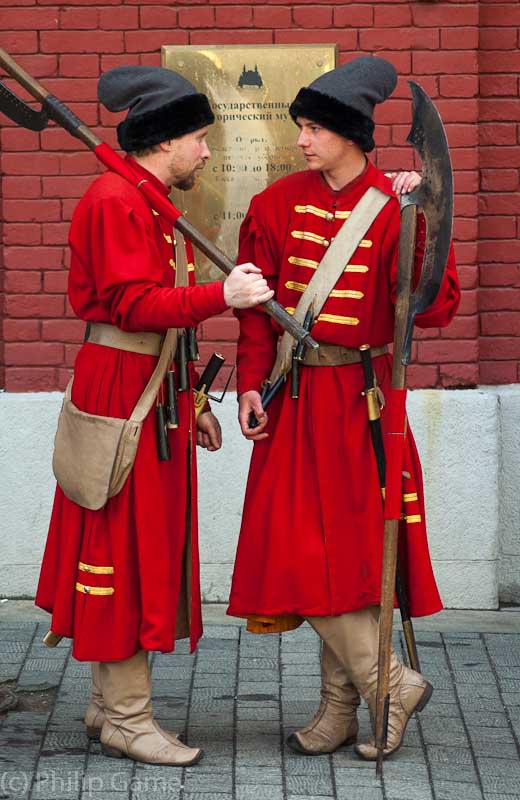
(464, 54)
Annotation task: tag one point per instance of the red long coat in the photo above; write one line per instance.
(122, 273)
(312, 526)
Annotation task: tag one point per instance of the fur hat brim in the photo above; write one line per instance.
(177, 118)
(334, 115)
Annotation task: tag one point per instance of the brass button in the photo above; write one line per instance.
(329, 217)
(86, 568)
(326, 243)
(87, 590)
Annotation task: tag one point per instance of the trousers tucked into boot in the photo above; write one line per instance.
(129, 729)
(354, 639)
(95, 713)
(335, 723)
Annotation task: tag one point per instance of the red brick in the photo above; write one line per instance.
(465, 230)
(466, 252)
(468, 303)
(497, 85)
(500, 203)
(459, 110)
(31, 210)
(220, 329)
(32, 379)
(22, 233)
(461, 86)
(79, 19)
(28, 19)
(81, 42)
(39, 164)
(272, 17)
(79, 66)
(19, 42)
(63, 330)
(71, 351)
(126, 60)
(468, 276)
(39, 66)
(353, 17)
(21, 187)
(498, 299)
(19, 139)
(23, 282)
(241, 36)
(237, 16)
(145, 41)
(505, 252)
(492, 373)
(499, 110)
(55, 233)
(500, 323)
(461, 328)
(502, 348)
(497, 38)
(402, 61)
(55, 282)
(24, 305)
(466, 181)
(497, 227)
(466, 205)
(507, 14)
(459, 38)
(430, 84)
(319, 17)
(58, 139)
(21, 330)
(31, 257)
(495, 180)
(497, 134)
(392, 111)
(499, 156)
(64, 376)
(33, 353)
(79, 164)
(125, 18)
(499, 61)
(443, 351)
(419, 376)
(68, 208)
(444, 14)
(407, 39)
(62, 186)
(499, 275)
(459, 375)
(392, 16)
(464, 157)
(191, 17)
(429, 63)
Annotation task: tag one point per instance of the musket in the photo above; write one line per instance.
(374, 418)
(52, 108)
(435, 195)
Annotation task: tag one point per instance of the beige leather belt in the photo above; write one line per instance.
(333, 355)
(145, 342)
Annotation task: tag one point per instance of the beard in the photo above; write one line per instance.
(186, 183)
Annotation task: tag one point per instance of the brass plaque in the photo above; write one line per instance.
(253, 139)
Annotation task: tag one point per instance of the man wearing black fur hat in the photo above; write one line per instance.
(311, 540)
(124, 580)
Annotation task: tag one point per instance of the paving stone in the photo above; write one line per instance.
(255, 776)
(255, 792)
(398, 789)
(196, 781)
(309, 784)
(362, 793)
(489, 749)
(445, 790)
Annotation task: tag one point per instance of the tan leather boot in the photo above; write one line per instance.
(129, 729)
(95, 713)
(335, 723)
(409, 693)
(354, 638)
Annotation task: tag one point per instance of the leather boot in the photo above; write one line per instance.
(354, 638)
(335, 723)
(95, 713)
(129, 729)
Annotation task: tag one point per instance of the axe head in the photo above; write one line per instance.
(20, 112)
(435, 196)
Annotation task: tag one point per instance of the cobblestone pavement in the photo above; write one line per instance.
(238, 697)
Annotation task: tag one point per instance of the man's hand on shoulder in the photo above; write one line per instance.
(209, 433)
(250, 402)
(245, 287)
(404, 182)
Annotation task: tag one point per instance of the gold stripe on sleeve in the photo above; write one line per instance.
(411, 497)
(95, 570)
(303, 262)
(99, 590)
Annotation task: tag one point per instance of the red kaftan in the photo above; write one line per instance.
(122, 272)
(312, 527)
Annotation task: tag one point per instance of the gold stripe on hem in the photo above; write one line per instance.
(411, 497)
(412, 518)
(366, 243)
(95, 570)
(338, 319)
(356, 268)
(99, 590)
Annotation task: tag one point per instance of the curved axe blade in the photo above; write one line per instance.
(18, 111)
(435, 195)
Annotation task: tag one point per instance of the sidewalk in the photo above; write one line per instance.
(240, 695)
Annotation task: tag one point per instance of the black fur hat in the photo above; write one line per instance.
(162, 105)
(343, 99)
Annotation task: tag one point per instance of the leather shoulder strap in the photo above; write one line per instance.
(330, 268)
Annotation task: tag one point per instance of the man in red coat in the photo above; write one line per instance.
(124, 580)
(310, 545)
